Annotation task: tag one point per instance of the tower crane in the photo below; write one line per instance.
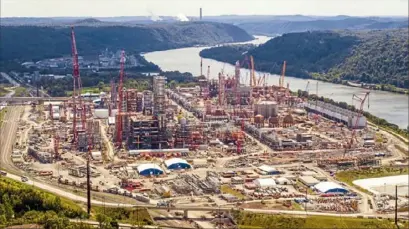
(307, 87)
(76, 86)
(359, 115)
(119, 106)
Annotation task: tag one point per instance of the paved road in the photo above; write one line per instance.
(10, 127)
(8, 136)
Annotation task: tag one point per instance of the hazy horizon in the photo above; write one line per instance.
(152, 8)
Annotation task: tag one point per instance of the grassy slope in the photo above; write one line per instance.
(21, 92)
(3, 91)
(125, 215)
(228, 190)
(349, 176)
(250, 220)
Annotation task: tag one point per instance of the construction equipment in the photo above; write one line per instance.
(119, 106)
(76, 87)
(252, 75)
(281, 81)
(89, 134)
(359, 113)
(307, 89)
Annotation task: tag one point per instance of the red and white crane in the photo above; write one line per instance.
(119, 105)
(76, 87)
(359, 115)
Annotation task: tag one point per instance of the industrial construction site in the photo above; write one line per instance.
(221, 143)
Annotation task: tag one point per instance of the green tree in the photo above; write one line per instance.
(101, 85)
(104, 221)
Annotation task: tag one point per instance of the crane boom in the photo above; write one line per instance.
(76, 86)
(252, 75)
(359, 113)
(119, 106)
(283, 74)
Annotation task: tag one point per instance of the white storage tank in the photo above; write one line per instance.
(101, 113)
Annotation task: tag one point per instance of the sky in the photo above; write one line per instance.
(111, 8)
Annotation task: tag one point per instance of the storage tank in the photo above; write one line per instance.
(183, 121)
(266, 108)
(259, 120)
(101, 113)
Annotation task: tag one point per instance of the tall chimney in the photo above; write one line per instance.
(200, 13)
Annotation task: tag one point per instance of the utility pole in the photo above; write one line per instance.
(396, 205)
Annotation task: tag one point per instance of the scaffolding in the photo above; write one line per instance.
(159, 95)
(146, 133)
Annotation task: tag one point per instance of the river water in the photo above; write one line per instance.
(390, 106)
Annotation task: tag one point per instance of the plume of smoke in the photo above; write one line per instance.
(182, 17)
(154, 17)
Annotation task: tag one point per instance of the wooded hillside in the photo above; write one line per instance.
(374, 57)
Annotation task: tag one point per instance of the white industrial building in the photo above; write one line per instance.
(283, 181)
(265, 169)
(177, 163)
(149, 169)
(331, 111)
(308, 180)
(97, 155)
(330, 187)
(101, 113)
(265, 182)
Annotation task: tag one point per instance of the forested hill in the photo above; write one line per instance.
(39, 42)
(375, 57)
(280, 26)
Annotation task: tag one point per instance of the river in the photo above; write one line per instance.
(390, 106)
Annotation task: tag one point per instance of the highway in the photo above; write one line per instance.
(8, 136)
(77, 198)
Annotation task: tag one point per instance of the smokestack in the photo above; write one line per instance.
(200, 13)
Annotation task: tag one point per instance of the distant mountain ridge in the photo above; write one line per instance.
(272, 27)
(39, 42)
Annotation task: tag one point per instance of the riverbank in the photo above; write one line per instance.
(375, 87)
(392, 107)
(402, 134)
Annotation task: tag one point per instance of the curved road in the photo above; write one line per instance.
(10, 127)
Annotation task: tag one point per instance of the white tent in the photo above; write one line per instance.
(265, 182)
(330, 187)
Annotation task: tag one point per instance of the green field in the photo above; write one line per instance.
(24, 204)
(21, 92)
(349, 176)
(228, 190)
(124, 215)
(253, 220)
(2, 114)
(3, 91)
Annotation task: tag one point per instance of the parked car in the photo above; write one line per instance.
(24, 178)
(3, 173)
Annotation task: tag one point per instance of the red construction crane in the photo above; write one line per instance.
(359, 113)
(240, 137)
(76, 87)
(119, 106)
(50, 107)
